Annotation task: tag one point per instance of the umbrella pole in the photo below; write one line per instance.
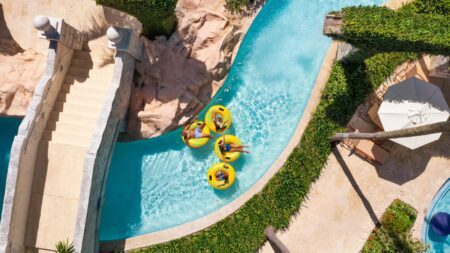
(405, 132)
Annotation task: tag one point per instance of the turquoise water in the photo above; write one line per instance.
(160, 183)
(8, 129)
(441, 203)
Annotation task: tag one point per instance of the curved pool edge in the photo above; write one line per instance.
(212, 218)
(426, 218)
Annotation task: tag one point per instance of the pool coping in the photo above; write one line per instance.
(212, 218)
(426, 218)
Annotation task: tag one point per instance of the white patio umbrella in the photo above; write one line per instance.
(413, 103)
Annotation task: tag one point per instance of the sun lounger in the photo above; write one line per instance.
(370, 151)
(373, 115)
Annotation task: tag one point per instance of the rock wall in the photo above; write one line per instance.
(19, 74)
(181, 74)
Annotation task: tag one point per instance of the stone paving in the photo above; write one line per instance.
(346, 202)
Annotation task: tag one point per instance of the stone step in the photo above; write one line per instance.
(77, 109)
(88, 82)
(76, 99)
(81, 89)
(82, 63)
(60, 126)
(102, 76)
(66, 138)
(73, 118)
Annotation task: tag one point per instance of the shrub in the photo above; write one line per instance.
(394, 234)
(383, 29)
(237, 5)
(441, 7)
(157, 16)
(65, 247)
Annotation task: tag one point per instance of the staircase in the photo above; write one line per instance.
(59, 167)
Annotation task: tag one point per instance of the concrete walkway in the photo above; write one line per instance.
(346, 202)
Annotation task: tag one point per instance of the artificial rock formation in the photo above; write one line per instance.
(180, 75)
(20, 71)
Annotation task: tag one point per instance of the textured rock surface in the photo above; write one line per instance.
(19, 74)
(182, 73)
(22, 53)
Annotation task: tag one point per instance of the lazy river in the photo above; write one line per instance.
(8, 129)
(160, 183)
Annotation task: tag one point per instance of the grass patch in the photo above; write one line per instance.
(349, 84)
(394, 234)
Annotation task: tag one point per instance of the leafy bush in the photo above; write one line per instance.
(349, 84)
(394, 234)
(65, 247)
(441, 7)
(157, 16)
(383, 29)
(237, 5)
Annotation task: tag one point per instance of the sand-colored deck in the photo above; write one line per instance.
(59, 167)
(346, 202)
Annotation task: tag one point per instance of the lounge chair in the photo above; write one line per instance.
(373, 115)
(370, 151)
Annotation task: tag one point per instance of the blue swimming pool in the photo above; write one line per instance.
(8, 129)
(160, 183)
(441, 203)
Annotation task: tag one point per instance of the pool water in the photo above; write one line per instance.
(160, 183)
(8, 129)
(441, 203)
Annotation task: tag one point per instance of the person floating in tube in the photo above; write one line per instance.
(222, 176)
(195, 133)
(230, 147)
(219, 122)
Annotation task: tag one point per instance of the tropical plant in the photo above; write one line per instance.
(65, 247)
(157, 16)
(394, 235)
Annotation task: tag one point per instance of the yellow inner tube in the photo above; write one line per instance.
(227, 156)
(226, 117)
(197, 142)
(224, 169)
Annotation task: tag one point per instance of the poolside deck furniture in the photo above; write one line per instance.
(372, 152)
(413, 103)
(373, 114)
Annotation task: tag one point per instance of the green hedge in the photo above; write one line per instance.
(157, 16)
(350, 82)
(441, 7)
(394, 234)
(383, 29)
(237, 5)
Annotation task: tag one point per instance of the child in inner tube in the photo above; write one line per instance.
(222, 176)
(195, 133)
(218, 121)
(230, 147)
